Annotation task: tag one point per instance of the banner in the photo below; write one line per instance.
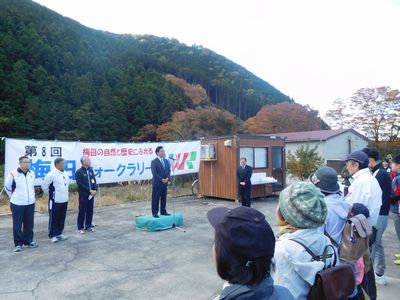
(111, 162)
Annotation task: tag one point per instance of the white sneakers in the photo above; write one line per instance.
(60, 237)
(18, 248)
(91, 229)
(381, 280)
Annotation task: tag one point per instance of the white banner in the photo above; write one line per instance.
(111, 162)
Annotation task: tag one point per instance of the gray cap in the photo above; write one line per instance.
(360, 157)
(326, 179)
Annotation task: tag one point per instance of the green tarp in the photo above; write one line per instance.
(149, 223)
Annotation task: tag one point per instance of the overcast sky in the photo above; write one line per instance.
(312, 50)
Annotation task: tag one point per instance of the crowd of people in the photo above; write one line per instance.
(322, 232)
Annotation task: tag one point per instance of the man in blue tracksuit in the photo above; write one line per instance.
(56, 184)
(20, 187)
(87, 185)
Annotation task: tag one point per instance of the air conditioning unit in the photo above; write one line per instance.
(208, 152)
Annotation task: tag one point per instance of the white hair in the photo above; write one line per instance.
(84, 158)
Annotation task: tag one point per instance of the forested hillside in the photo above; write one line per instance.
(59, 79)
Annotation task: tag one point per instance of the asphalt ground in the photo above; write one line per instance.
(119, 262)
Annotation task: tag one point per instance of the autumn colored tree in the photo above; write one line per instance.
(304, 161)
(375, 111)
(194, 123)
(195, 92)
(148, 133)
(338, 117)
(285, 117)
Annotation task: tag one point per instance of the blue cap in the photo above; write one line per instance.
(360, 157)
(243, 230)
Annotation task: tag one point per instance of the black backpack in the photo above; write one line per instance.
(333, 282)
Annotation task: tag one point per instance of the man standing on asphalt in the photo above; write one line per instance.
(244, 173)
(365, 189)
(56, 184)
(20, 187)
(380, 173)
(87, 185)
(161, 171)
(395, 200)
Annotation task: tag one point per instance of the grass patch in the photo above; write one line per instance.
(108, 194)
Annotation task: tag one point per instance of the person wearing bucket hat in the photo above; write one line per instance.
(365, 188)
(326, 179)
(244, 246)
(300, 213)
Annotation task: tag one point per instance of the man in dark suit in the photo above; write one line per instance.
(161, 171)
(244, 173)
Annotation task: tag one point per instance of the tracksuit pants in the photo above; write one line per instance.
(85, 214)
(23, 219)
(57, 214)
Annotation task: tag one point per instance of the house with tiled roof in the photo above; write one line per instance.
(333, 145)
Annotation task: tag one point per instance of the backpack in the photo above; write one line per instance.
(333, 282)
(396, 189)
(355, 238)
(395, 197)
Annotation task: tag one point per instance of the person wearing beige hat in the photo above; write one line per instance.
(301, 211)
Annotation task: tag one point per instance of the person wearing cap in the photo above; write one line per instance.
(300, 213)
(326, 179)
(365, 188)
(243, 249)
(383, 178)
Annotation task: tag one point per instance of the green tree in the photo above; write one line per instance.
(304, 161)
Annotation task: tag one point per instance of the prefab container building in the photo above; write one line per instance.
(220, 158)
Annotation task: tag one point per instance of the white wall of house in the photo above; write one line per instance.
(337, 147)
(340, 146)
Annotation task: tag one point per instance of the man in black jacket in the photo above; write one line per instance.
(161, 171)
(244, 173)
(383, 178)
(87, 184)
